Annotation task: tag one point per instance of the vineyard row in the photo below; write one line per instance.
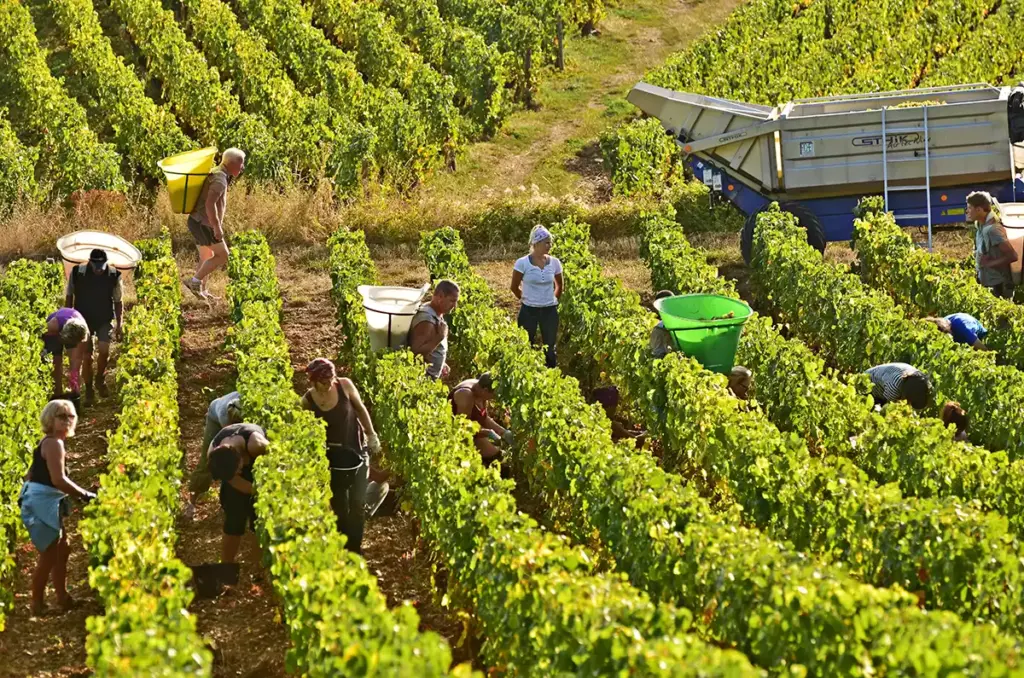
(658, 529)
(394, 92)
(542, 604)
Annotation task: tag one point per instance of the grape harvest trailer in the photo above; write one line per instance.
(923, 149)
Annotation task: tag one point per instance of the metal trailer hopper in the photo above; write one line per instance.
(923, 149)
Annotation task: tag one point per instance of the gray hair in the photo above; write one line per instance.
(74, 332)
(740, 372)
(446, 288)
(233, 155)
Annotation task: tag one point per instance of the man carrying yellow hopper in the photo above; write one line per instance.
(206, 222)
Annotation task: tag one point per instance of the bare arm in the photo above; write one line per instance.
(463, 402)
(213, 213)
(361, 412)
(517, 284)
(424, 338)
(1005, 254)
(258, 445)
(494, 426)
(119, 306)
(558, 286)
(53, 453)
(241, 484)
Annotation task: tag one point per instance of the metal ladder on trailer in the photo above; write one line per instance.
(926, 187)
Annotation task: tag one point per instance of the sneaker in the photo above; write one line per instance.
(376, 493)
(188, 511)
(195, 287)
(101, 388)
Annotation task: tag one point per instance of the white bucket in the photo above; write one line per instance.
(1013, 221)
(389, 312)
(76, 247)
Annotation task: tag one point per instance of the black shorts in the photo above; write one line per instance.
(239, 511)
(1002, 290)
(201, 233)
(100, 330)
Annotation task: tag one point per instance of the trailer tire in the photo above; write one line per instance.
(807, 219)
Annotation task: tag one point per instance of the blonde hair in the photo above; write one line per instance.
(533, 232)
(58, 409)
(74, 332)
(941, 323)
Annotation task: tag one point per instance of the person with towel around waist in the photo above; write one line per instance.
(336, 400)
(44, 504)
(537, 283)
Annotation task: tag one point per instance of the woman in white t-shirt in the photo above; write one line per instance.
(537, 282)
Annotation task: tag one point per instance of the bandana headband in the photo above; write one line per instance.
(540, 234)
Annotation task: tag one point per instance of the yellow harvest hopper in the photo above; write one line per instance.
(185, 174)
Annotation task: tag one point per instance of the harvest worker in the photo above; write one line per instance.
(608, 397)
(660, 343)
(336, 400)
(740, 379)
(232, 453)
(94, 290)
(900, 381)
(206, 222)
(469, 399)
(954, 415)
(964, 328)
(993, 252)
(428, 332)
(44, 503)
(221, 413)
(65, 328)
(537, 283)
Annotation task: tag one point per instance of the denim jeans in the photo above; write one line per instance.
(530, 317)
(350, 475)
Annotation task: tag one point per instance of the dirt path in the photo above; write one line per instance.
(391, 546)
(54, 645)
(555, 147)
(243, 625)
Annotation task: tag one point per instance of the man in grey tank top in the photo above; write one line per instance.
(428, 333)
(206, 222)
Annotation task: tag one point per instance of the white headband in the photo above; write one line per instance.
(540, 234)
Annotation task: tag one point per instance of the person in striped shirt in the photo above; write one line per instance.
(900, 381)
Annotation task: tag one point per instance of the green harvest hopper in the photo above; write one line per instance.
(705, 327)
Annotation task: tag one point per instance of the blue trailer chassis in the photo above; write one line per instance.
(836, 214)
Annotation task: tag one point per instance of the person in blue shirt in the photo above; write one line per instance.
(964, 328)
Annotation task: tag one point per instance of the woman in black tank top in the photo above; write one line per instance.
(337, 402)
(43, 503)
(231, 462)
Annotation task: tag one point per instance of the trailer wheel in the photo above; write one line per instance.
(806, 218)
